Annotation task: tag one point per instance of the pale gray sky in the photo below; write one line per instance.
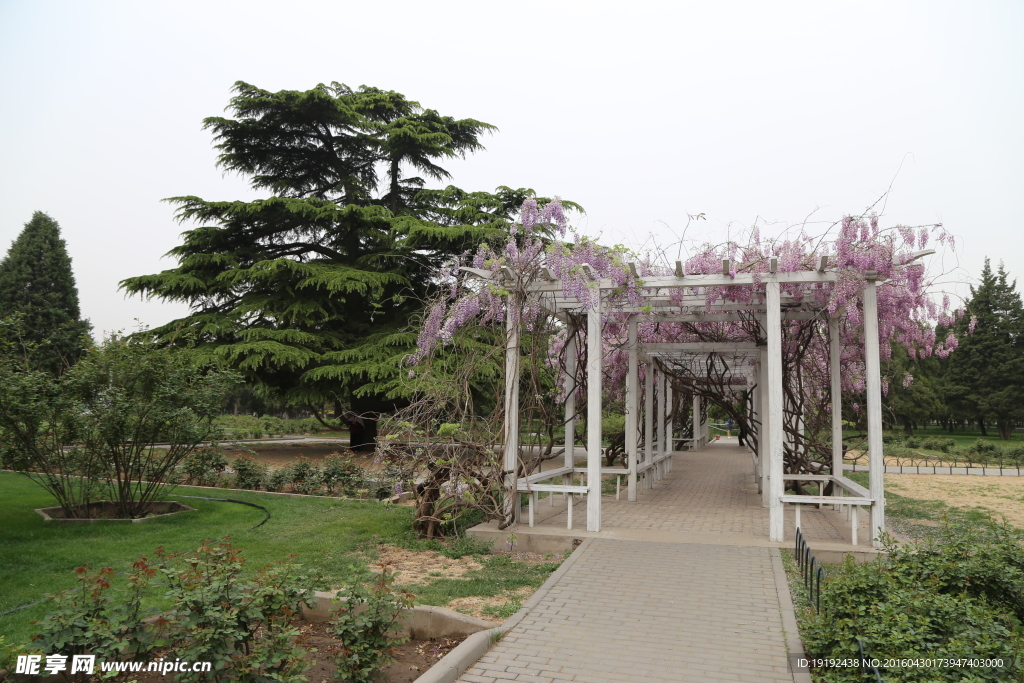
(642, 112)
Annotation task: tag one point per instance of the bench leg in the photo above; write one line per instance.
(797, 516)
(855, 517)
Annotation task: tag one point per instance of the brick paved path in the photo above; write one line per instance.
(648, 611)
(682, 585)
(710, 491)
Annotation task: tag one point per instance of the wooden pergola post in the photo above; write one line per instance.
(632, 379)
(669, 428)
(754, 401)
(568, 459)
(594, 405)
(511, 427)
(648, 422)
(837, 401)
(764, 438)
(776, 526)
(695, 421)
(661, 424)
(876, 463)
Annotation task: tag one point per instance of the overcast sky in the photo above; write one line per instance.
(642, 112)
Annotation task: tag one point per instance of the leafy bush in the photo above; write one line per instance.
(962, 595)
(250, 473)
(1015, 455)
(242, 627)
(305, 475)
(96, 618)
(303, 468)
(983, 447)
(341, 474)
(278, 479)
(89, 433)
(363, 622)
(912, 442)
(895, 438)
(936, 444)
(204, 466)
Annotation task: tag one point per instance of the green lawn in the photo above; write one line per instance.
(38, 557)
(965, 438)
(325, 533)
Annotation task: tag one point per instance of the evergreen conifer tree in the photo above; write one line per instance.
(985, 376)
(36, 284)
(311, 292)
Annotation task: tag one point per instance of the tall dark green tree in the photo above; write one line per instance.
(311, 292)
(914, 395)
(985, 375)
(36, 283)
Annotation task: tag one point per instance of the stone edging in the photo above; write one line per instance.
(794, 647)
(456, 662)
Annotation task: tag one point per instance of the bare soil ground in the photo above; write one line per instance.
(425, 566)
(999, 496)
(412, 659)
(421, 567)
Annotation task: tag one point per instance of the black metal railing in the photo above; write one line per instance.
(813, 574)
(811, 570)
(869, 670)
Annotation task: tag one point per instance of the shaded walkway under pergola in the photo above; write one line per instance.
(709, 496)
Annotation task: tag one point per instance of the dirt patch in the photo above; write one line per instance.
(531, 558)
(999, 496)
(475, 605)
(421, 567)
(412, 659)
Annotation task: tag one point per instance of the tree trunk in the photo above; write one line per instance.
(981, 426)
(1005, 428)
(363, 433)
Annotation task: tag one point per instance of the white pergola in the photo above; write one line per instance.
(748, 365)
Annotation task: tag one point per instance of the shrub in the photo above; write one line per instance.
(250, 473)
(964, 594)
(936, 444)
(204, 466)
(305, 475)
(912, 442)
(1015, 455)
(342, 475)
(892, 438)
(97, 618)
(303, 468)
(983, 447)
(278, 479)
(363, 622)
(241, 626)
(89, 433)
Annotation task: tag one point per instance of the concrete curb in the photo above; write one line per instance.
(794, 647)
(422, 622)
(456, 662)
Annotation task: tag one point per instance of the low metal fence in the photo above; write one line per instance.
(869, 670)
(813, 574)
(811, 570)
